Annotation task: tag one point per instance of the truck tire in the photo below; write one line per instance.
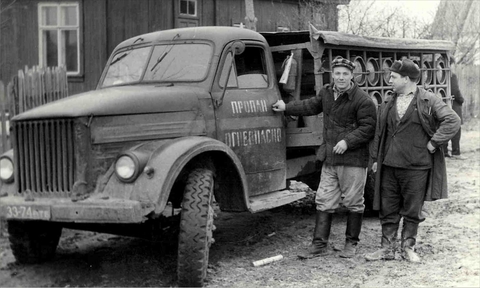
(196, 227)
(33, 241)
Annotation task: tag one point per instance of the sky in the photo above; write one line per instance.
(422, 9)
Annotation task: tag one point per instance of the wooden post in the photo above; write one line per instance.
(4, 118)
(250, 19)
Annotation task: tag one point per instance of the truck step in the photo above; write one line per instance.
(274, 199)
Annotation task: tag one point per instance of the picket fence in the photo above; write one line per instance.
(30, 88)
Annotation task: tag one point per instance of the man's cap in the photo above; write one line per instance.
(406, 67)
(342, 62)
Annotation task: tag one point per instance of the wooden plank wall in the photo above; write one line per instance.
(106, 23)
(209, 13)
(160, 14)
(19, 41)
(125, 19)
(230, 11)
(269, 14)
(95, 45)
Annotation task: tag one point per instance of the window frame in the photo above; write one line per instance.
(264, 59)
(60, 28)
(186, 14)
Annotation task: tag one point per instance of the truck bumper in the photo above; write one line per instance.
(90, 210)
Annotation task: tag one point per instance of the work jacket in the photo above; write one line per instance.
(351, 117)
(439, 121)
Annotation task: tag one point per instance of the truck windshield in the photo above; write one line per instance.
(185, 62)
(168, 63)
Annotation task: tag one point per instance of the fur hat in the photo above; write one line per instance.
(340, 61)
(406, 67)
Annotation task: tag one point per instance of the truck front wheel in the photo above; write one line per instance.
(196, 227)
(33, 241)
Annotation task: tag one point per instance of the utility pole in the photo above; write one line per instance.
(250, 19)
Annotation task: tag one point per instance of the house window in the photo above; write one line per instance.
(59, 36)
(188, 7)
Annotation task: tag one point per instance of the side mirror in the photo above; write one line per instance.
(238, 47)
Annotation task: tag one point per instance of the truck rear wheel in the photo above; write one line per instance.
(33, 241)
(196, 227)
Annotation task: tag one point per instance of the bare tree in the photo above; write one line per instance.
(458, 21)
(322, 14)
(370, 18)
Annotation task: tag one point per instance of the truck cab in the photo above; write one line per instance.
(181, 120)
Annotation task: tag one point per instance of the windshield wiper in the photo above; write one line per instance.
(119, 58)
(159, 59)
(138, 39)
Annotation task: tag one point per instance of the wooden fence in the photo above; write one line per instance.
(30, 88)
(469, 82)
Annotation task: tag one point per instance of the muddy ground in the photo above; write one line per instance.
(448, 242)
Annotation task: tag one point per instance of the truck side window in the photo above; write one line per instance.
(249, 70)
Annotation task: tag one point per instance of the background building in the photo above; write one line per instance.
(81, 34)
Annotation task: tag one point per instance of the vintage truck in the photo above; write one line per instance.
(181, 120)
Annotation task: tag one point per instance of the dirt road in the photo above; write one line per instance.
(448, 242)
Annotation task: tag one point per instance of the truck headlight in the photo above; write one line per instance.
(126, 168)
(130, 164)
(6, 169)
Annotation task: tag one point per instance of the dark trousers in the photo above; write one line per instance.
(402, 195)
(455, 144)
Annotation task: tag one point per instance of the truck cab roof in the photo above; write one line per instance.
(219, 35)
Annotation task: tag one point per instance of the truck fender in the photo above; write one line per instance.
(166, 162)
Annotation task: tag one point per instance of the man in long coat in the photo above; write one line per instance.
(408, 158)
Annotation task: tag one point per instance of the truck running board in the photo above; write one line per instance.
(275, 199)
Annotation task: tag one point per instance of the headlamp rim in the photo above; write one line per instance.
(136, 163)
(11, 178)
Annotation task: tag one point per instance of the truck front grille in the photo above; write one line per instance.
(44, 156)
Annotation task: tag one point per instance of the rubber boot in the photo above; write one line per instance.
(354, 226)
(323, 223)
(389, 238)
(409, 235)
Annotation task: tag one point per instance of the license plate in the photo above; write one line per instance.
(28, 212)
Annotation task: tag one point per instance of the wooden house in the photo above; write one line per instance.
(80, 34)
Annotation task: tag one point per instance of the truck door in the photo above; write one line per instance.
(245, 120)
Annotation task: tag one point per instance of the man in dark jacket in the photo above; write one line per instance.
(349, 117)
(408, 158)
(457, 107)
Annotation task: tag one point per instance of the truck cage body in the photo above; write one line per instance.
(314, 51)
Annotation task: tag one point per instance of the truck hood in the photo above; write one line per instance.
(120, 101)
